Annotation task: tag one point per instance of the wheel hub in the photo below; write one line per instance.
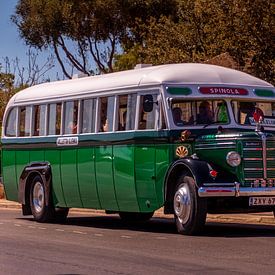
(182, 203)
(38, 197)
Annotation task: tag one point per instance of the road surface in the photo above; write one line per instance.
(92, 244)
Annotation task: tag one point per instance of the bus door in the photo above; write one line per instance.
(104, 154)
(68, 155)
(145, 154)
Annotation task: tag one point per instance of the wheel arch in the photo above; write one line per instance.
(42, 169)
(195, 168)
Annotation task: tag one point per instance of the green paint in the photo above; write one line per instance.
(69, 177)
(53, 157)
(265, 93)
(179, 91)
(145, 159)
(124, 177)
(87, 178)
(104, 177)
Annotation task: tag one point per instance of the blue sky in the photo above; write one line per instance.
(11, 45)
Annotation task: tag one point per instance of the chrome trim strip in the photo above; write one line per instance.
(233, 190)
(252, 169)
(263, 136)
(203, 148)
(215, 143)
(252, 158)
(253, 149)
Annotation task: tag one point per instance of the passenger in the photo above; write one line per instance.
(205, 115)
(177, 113)
(247, 108)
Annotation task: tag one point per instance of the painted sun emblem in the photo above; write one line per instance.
(181, 151)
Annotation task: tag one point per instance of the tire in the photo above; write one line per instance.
(189, 209)
(135, 216)
(40, 211)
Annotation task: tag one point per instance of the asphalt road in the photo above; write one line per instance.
(92, 244)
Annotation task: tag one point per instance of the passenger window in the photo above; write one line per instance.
(147, 120)
(11, 124)
(126, 112)
(25, 121)
(107, 113)
(88, 116)
(71, 115)
(54, 119)
(39, 128)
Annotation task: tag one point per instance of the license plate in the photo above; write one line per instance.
(261, 201)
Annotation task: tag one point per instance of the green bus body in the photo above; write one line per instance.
(150, 144)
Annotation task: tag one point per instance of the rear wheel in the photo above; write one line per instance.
(40, 211)
(135, 216)
(189, 209)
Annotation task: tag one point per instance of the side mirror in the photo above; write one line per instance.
(148, 103)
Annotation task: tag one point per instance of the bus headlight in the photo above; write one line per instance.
(233, 159)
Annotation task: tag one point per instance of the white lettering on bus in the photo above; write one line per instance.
(67, 141)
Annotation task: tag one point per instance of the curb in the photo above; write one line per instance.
(251, 218)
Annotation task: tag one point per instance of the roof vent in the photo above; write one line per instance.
(140, 66)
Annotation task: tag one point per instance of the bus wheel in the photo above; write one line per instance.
(189, 209)
(40, 211)
(135, 216)
(60, 214)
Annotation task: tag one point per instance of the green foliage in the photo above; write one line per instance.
(151, 31)
(204, 29)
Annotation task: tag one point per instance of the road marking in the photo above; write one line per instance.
(16, 224)
(80, 232)
(60, 230)
(42, 228)
(31, 226)
(98, 235)
(126, 237)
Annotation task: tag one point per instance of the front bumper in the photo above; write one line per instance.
(233, 190)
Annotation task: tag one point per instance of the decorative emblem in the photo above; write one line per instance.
(181, 151)
(185, 135)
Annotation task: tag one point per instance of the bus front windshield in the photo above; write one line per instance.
(199, 112)
(244, 110)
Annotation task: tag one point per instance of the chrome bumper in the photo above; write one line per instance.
(233, 190)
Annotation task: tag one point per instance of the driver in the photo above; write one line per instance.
(205, 115)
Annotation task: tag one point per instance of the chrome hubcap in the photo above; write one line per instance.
(182, 203)
(38, 197)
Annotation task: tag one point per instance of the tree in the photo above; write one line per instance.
(83, 32)
(205, 29)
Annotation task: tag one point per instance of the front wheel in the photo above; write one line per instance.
(189, 209)
(40, 211)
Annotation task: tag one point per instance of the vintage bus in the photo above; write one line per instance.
(191, 138)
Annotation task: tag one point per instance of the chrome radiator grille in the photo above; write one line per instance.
(259, 162)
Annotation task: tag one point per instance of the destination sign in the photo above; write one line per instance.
(223, 91)
(67, 141)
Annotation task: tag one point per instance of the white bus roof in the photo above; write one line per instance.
(173, 74)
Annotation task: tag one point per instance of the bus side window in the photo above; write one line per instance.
(126, 112)
(39, 128)
(71, 115)
(147, 120)
(88, 116)
(25, 121)
(54, 118)
(107, 113)
(11, 124)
